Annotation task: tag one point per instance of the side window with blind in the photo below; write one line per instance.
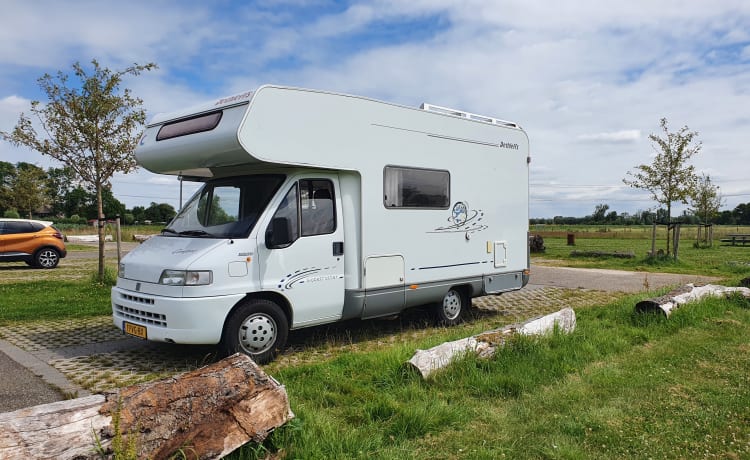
(416, 188)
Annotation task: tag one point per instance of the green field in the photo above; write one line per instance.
(719, 259)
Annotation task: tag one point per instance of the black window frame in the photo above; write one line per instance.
(411, 205)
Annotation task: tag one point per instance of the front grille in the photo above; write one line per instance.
(147, 317)
(132, 298)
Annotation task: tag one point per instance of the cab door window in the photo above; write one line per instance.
(318, 216)
(309, 208)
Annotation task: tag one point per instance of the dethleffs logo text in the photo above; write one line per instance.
(235, 98)
(507, 145)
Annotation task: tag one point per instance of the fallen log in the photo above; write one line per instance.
(689, 293)
(615, 254)
(487, 343)
(207, 413)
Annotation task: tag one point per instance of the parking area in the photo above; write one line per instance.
(94, 356)
(79, 357)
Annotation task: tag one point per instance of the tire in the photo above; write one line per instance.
(46, 258)
(257, 328)
(450, 310)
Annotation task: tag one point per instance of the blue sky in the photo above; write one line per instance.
(588, 80)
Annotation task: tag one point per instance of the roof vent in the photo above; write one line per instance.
(467, 115)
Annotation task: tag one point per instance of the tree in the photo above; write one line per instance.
(742, 214)
(112, 206)
(29, 188)
(161, 212)
(81, 202)
(139, 213)
(706, 200)
(90, 126)
(7, 178)
(669, 178)
(60, 182)
(75, 202)
(599, 212)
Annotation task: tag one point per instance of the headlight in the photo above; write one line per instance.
(185, 277)
(121, 270)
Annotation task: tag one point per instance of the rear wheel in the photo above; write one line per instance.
(257, 328)
(451, 309)
(46, 258)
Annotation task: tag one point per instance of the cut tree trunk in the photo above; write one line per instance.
(615, 254)
(206, 413)
(688, 293)
(487, 343)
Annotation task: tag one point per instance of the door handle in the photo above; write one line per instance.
(338, 248)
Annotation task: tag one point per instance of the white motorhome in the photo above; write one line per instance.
(318, 207)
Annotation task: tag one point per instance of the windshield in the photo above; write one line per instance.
(225, 208)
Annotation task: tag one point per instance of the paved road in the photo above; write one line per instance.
(20, 388)
(26, 380)
(608, 280)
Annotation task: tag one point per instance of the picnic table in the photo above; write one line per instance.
(737, 238)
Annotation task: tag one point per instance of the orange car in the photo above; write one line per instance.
(35, 242)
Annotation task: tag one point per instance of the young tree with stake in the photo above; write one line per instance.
(88, 125)
(670, 178)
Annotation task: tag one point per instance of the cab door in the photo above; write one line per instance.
(302, 257)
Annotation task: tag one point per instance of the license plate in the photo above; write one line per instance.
(134, 330)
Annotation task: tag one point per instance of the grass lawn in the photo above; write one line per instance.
(620, 386)
(731, 262)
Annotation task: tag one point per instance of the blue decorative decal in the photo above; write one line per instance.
(463, 219)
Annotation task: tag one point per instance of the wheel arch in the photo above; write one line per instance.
(46, 246)
(467, 292)
(274, 297)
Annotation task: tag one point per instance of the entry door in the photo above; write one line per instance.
(309, 270)
(384, 285)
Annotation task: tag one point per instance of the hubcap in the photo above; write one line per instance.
(47, 258)
(452, 305)
(257, 333)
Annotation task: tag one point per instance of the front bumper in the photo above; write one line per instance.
(187, 320)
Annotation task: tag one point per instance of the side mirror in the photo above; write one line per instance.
(279, 233)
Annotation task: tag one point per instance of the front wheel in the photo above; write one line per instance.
(258, 328)
(450, 311)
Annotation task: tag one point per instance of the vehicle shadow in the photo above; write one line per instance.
(414, 320)
(15, 267)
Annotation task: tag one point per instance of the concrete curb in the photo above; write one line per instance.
(47, 373)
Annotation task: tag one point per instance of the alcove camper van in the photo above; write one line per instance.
(319, 207)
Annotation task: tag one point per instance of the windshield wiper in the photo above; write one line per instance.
(168, 230)
(195, 233)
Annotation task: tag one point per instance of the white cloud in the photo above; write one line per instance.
(587, 80)
(625, 136)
